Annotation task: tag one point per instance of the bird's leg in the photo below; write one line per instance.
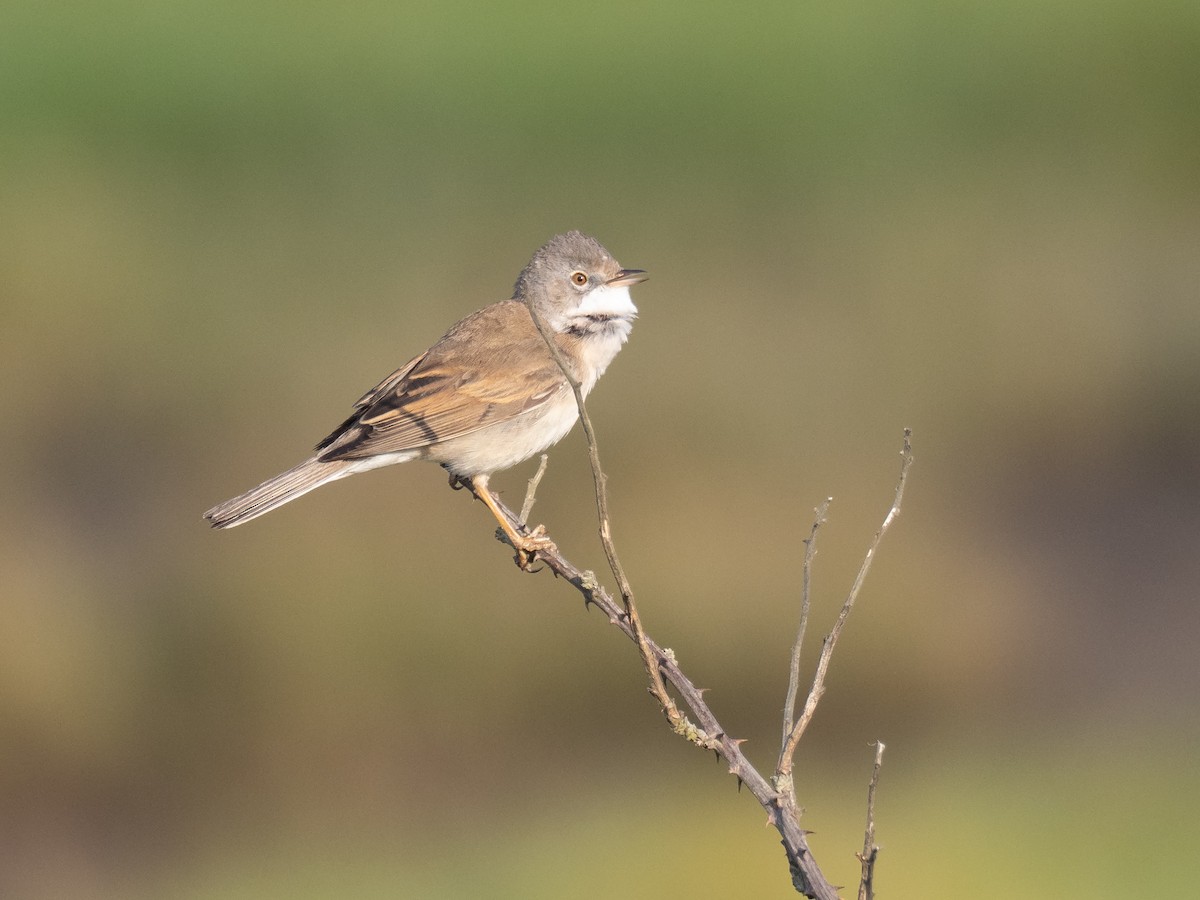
(526, 545)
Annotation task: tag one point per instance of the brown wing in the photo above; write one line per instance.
(490, 367)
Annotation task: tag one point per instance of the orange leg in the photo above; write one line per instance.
(525, 544)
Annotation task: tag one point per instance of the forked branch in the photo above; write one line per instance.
(792, 734)
(705, 731)
(776, 796)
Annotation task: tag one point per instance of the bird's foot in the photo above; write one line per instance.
(528, 545)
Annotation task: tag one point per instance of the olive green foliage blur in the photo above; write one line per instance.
(221, 222)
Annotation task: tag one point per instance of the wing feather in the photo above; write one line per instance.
(491, 367)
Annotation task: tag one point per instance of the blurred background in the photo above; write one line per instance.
(221, 222)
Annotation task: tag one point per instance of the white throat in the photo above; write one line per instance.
(608, 300)
(603, 322)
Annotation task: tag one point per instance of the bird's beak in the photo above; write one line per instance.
(627, 277)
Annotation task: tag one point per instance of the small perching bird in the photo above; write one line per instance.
(488, 395)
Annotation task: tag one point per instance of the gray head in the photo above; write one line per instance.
(574, 277)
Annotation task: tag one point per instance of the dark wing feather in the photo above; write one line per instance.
(364, 402)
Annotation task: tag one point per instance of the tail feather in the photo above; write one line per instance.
(274, 492)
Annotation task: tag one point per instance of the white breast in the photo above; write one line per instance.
(508, 443)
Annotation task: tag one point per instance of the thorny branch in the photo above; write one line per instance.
(706, 732)
(657, 687)
(777, 796)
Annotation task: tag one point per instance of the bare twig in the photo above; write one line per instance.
(531, 489)
(810, 550)
(657, 687)
(706, 732)
(870, 851)
(776, 796)
(784, 769)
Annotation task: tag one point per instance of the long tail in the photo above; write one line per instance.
(275, 492)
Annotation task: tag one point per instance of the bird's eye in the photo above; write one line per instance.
(579, 279)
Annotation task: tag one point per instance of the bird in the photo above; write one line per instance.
(487, 395)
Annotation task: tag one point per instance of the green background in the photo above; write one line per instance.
(221, 222)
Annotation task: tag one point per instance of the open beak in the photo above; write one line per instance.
(627, 277)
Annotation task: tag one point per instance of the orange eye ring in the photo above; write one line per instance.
(579, 279)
